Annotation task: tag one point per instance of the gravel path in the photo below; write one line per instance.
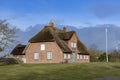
(109, 78)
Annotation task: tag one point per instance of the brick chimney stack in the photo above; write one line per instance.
(64, 29)
(51, 24)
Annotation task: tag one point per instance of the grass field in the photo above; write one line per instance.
(84, 71)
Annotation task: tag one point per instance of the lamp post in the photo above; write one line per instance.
(106, 45)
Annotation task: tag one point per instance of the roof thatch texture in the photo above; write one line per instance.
(48, 34)
(18, 50)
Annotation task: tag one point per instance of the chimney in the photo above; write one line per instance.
(51, 24)
(64, 29)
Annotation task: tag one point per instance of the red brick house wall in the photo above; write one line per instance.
(57, 55)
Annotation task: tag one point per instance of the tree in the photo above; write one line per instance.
(115, 56)
(94, 53)
(102, 57)
(7, 36)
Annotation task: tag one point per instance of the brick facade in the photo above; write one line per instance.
(57, 55)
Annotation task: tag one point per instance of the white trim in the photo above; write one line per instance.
(49, 55)
(36, 56)
(78, 56)
(68, 56)
(65, 56)
(81, 56)
(42, 47)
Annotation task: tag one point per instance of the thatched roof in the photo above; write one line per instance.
(48, 34)
(18, 49)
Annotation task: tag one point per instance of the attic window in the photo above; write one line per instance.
(73, 44)
(42, 47)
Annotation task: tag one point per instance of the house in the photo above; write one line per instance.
(52, 45)
(17, 52)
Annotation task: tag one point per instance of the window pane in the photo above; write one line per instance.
(68, 56)
(80, 56)
(65, 56)
(74, 45)
(36, 55)
(77, 56)
(42, 46)
(49, 55)
(86, 57)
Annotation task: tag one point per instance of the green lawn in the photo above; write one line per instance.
(83, 71)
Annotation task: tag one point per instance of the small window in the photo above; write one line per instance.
(65, 56)
(42, 47)
(49, 55)
(80, 56)
(73, 44)
(77, 56)
(36, 56)
(86, 56)
(68, 56)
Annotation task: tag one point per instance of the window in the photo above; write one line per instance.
(42, 46)
(68, 56)
(77, 56)
(36, 56)
(49, 55)
(80, 56)
(73, 44)
(86, 56)
(65, 56)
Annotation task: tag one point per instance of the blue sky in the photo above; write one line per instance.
(78, 13)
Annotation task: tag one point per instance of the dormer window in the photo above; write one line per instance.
(73, 44)
(42, 47)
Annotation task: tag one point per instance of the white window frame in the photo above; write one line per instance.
(78, 56)
(36, 56)
(86, 56)
(42, 47)
(65, 56)
(81, 56)
(73, 44)
(49, 55)
(68, 56)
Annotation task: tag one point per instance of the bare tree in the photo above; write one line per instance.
(94, 53)
(7, 36)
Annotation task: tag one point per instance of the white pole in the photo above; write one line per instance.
(106, 46)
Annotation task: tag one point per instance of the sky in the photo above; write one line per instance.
(78, 13)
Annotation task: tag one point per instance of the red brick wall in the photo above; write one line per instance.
(57, 55)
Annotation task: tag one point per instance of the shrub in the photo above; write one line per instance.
(10, 60)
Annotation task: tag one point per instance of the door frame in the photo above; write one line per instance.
(73, 57)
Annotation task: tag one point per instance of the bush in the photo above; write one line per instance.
(8, 61)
